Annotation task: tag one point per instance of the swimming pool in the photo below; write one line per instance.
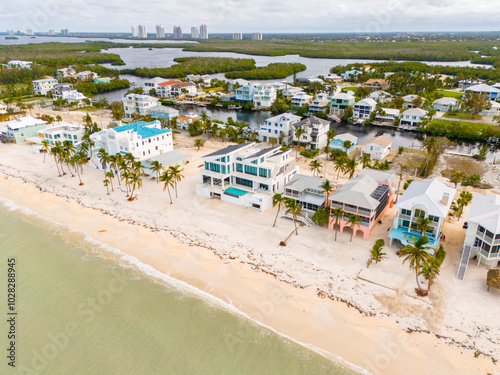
(235, 192)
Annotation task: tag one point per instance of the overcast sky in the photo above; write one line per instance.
(226, 16)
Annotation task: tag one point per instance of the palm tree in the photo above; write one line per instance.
(105, 159)
(278, 200)
(110, 175)
(422, 226)
(136, 181)
(350, 166)
(315, 166)
(199, 143)
(175, 172)
(273, 141)
(327, 189)
(166, 177)
(417, 255)
(294, 208)
(353, 220)
(337, 214)
(116, 161)
(430, 270)
(75, 163)
(402, 168)
(54, 151)
(340, 165)
(299, 132)
(464, 200)
(68, 152)
(330, 134)
(106, 183)
(205, 121)
(365, 159)
(456, 177)
(347, 145)
(46, 148)
(376, 253)
(430, 145)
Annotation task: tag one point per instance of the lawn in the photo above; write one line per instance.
(350, 88)
(461, 115)
(451, 94)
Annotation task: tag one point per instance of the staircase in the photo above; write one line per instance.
(464, 262)
(303, 219)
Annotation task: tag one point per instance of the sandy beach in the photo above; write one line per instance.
(316, 290)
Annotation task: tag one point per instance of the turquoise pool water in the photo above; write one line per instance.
(236, 192)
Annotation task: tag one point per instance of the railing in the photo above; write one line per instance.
(464, 261)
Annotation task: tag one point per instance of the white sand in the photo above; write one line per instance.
(217, 246)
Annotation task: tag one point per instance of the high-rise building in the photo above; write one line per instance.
(135, 34)
(52, 32)
(142, 32)
(177, 32)
(257, 36)
(203, 32)
(160, 31)
(195, 33)
(29, 32)
(237, 36)
(64, 32)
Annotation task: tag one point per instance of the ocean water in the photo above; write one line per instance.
(84, 308)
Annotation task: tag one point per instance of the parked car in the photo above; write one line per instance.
(466, 225)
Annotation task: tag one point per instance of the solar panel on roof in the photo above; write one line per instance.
(380, 192)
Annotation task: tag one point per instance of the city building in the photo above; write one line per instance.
(492, 92)
(177, 32)
(368, 195)
(237, 36)
(246, 174)
(430, 199)
(279, 127)
(413, 117)
(483, 232)
(315, 133)
(142, 32)
(339, 102)
(446, 104)
(257, 36)
(301, 99)
(339, 142)
(203, 32)
(138, 103)
(65, 32)
(377, 147)
(62, 132)
(135, 33)
(319, 104)
(18, 130)
(363, 108)
(52, 32)
(195, 33)
(161, 111)
(160, 31)
(307, 192)
(142, 139)
(43, 86)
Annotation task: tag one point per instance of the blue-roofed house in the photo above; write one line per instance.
(142, 139)
(350, 74)
(339, 141)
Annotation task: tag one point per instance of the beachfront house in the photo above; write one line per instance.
(339, 102)
(315, 133)
(386, 116)
(264, 96)
(184, 121)
(483, 231)
(319, 104)
(246, 174)
(301, 99)
(307, 191)
(446, 104)
(429, 199)
(166, 159)
(62, 132)
(377, 84)
(413, 117)
(377, 147)
(142, 139)
(409, 99)
(43, 86)
(368, 195)
(493, 110)
(490, 91)
(18, 130)
(138, 103)
(279, 127)
(161, 111)
(340, 141)
(164, 89)
(363, 108)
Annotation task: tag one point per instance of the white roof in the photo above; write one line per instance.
(379, 93)
(485, 210)
(75, 95)
(23, 122)
(391, 111)
(482, 88)
(293, 118)
(446, 101)
(410, 98)
(378, 175)
(156, 80)
(302, 95)
(415, 112)
(346, 137)
(368, 101)
(497, 85)
(494, 104)
(427, 195)
(343, 96)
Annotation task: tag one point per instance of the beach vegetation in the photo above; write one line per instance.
(199, 143)
(321, 217)
(337, 214)
(168, 182)
(295, 209)
(271, 71)
(352, 221)
(416, 254)
(377, 255)
(315, 166)
(279, 201)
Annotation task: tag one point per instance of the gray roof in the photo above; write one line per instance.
(485, 210)
(378, 175)
(301, 182)
(446, 101)
(357, 191)
(167, 158)
(482, 88)
(228, 149)
(263, 151)
(427, 194)
(310, 121)
(415, 112)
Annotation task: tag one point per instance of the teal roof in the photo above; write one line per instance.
(141, 128)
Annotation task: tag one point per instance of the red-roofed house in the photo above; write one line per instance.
(165, 88)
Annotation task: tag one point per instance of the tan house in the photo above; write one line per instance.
(377, 84)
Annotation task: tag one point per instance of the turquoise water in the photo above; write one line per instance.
(235, 191)
(84, 308)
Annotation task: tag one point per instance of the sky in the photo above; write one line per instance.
(267, 16)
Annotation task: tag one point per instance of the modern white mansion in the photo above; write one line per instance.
(247, 174)
(279, 127)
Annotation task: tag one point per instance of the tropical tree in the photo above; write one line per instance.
(376, 253)
(337, 214)
(273, 141)
(167, 179)
(106, 183)
(457, 177)
(67, 152)
(476, 102)
(315, 166)
(294, 208)
(416, 254)
(46, 148)
(327, 189)
(366, 160)
(54, 151)
(136, 181)
(352, 221)
(347, 145)
(330, 134)
(110, 175)
(199, 143)
(463, 201)
(75, 163)
(280, 201)
(340, 165)
(430, 270)
(423, 226)
(175, 172)
(105, 159)
(430, 145)
(156, 167)
(350, 166)
(299, 132)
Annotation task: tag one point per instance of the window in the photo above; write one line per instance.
(434, 218)
(215, 167)
(419, 213)
(251, 170)
(223, 159)
(239, 167)
(263, 172)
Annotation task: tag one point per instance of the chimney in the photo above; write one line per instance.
(446, 198)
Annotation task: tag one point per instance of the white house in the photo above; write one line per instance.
(332, 77)
(446, 104)
(279, 127)
(364, 107)
(62, 132)
(408, 100)
(466, 83)
(142, 139)
(86, 75)
(65, 72)
(184, 121)
(20, 64)
(20, 129)
(301, 99)
(492, 92)
(380, 96)
(264, 95)
(483, 233)
(237, 82)
(3, 108)
(182, 88)
(319, 104)
(164, 89)
(387, 115)
(377, 147)
(246, 174)
(413, 117)
(315, 133)
(307, 191)
(162, 111)
(493, 110)
(138, 103)
(43, 86)
(153, 83)
(291, 91)
(339, 102)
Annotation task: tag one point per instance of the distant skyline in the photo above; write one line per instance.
(228, 16)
